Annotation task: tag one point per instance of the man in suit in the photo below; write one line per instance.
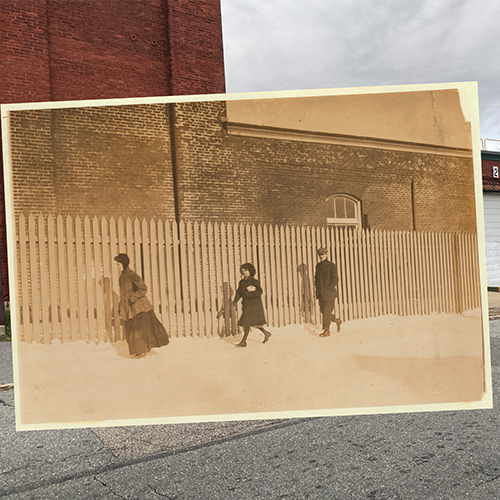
(326, 280)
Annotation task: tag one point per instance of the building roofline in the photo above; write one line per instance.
(264, 132)
(490, 155)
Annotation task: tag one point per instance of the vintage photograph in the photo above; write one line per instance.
(231, 257)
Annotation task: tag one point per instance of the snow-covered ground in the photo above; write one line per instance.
(385, 361)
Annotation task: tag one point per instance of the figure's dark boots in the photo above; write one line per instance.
(243, 342)
(266, 335)
(326, 333)
(338, 321)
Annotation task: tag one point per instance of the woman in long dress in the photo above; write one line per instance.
(253, 313)
(142, 329)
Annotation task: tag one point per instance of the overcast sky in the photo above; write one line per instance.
(313, 44)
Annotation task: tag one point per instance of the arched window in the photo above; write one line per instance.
(343, 210)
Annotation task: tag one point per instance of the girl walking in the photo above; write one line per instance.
(253, 313)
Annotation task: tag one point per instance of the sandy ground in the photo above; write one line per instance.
(383, 361)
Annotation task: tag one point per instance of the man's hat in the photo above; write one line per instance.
(322, 251)
(123, 259)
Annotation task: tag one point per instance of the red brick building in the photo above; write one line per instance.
(55, 50)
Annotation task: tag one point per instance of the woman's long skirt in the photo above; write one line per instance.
(143, 332)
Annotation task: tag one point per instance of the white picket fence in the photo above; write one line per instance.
(68, 280)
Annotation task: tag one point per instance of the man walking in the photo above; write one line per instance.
(326, 279)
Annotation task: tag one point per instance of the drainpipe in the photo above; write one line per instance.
(173, 159)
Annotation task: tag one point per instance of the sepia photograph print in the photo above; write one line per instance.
(246, 256)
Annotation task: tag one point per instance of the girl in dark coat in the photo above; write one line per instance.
(253, 313)
(142, 329)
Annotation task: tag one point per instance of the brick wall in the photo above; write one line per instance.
(112, 161)
(263, 180)
(490, 183)
(117, 161)
(97, 49)
(195, 47)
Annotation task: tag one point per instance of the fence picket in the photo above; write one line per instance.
(35, 287)
(377, 277)
(334, 237)
(99, 302)
(165, 268)
(158, 271)
(289, 294)
(442, 285)
(392, 272)
(431, 275)
(152, 267)
(25, 296)
(447, 273)
(201, 276)
(364, 278)
(353, 275)
(255, 248)
(219, 286)
(142, 228)
(44, 291)
(212, 282)
(409, 273)
(68, 310)
(113, 252)
(174, 231)
(265, 279)
(53, 277)
(87, 242)
(80, 272)
(138, 249)
(233, 273)
(342, 269)
(184, 277)
(131, 245)
(189, 269)
(401, 274)
(207, 271)
(280, 275)
(226, 282)
(106, 280)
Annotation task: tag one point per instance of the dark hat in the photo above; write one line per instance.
(122, 258)
(322, 251)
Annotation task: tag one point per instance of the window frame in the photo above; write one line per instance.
(350, 222)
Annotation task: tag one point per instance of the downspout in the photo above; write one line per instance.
(173, 159)
(171, 114)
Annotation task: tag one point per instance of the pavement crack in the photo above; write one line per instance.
(151, 458)
(160, 494)
(108, 487)
(45, 461)
(3, 403)
(491, 477)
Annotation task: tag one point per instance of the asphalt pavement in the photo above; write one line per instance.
(434, 455)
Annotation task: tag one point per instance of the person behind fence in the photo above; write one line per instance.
(253, 312)
(326, 280)
(142, 329)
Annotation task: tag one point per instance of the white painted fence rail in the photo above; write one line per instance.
(68, 280)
